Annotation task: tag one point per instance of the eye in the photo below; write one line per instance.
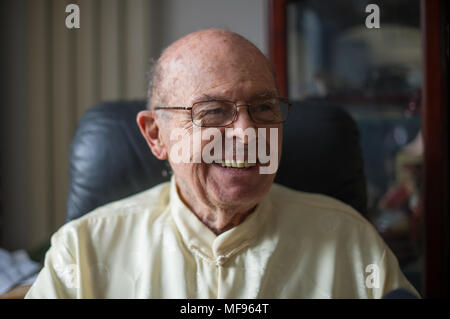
(215, 111)
(266, 107)
(212, 109)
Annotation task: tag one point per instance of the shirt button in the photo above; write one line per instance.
(220, 260)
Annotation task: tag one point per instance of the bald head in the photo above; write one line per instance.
(204, 56)
(204, 69)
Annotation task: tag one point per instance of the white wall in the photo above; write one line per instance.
(246, 17)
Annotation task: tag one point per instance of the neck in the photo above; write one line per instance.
(217, 219)
(220, 221)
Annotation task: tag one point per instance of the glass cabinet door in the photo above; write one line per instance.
(336, 56)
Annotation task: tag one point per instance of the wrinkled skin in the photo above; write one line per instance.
(221, 64)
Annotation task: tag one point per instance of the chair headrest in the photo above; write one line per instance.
(111, 160)
(322, 154)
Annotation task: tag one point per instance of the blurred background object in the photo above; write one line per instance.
(376, 75)
(16, 268)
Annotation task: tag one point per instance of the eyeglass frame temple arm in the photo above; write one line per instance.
(172, 108)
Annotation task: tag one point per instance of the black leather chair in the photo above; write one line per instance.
(110, 159)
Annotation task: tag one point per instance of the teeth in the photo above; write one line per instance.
(237, 164)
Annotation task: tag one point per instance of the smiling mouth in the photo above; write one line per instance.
(236, 164)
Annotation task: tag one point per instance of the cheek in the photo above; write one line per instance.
(185, 155)
(280, 142)
(192, 178)
(275, 142)
(189, 171)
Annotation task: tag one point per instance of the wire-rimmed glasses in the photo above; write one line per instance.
(220, 113)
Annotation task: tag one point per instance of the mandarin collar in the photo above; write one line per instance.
(217, 249)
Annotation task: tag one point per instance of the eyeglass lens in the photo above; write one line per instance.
(222, 113)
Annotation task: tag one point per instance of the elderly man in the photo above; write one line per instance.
(220, 228)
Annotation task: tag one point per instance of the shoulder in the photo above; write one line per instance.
(321, 217)
(314, 205)
(322, 221)
(127, 212)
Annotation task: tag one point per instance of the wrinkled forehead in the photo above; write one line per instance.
(209, 60)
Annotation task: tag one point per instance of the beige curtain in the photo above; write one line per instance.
(70, 70)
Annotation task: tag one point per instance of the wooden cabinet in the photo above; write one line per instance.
(393, 81)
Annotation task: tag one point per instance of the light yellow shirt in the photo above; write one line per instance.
(150, 245)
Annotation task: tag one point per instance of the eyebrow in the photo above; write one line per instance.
(211, 97)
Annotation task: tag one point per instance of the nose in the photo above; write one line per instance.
(241, 123)
(243, 119)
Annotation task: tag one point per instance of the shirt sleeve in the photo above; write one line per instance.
(60, 276)
(393, 278)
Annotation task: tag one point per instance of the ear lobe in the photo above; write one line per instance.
(150, 130)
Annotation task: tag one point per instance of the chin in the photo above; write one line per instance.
(240, 195)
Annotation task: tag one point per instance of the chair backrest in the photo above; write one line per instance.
(110, 159)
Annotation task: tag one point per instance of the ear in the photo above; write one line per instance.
(150, 130)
